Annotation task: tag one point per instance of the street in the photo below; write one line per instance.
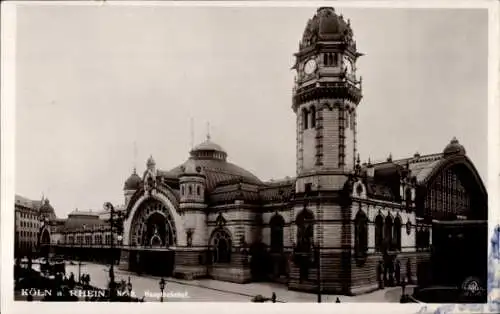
(207, 290)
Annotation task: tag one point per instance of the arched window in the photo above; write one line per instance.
(313, 117)
(305, 119)
(361, 233)
(221, 245)
(190, 190)
(325, 59)
(182, 190)
(277, 224)
(331, 58)
(388, 232)
(408, 196)
(379, 233)
(397, 233)
(198, 190)
(335, 60)
(305, 230)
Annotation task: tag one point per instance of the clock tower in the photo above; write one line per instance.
(326, 94)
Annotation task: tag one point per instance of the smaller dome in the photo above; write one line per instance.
(454, 147)
(208, 150)
(133, 182)
(190, 167)
(47, 210)
(208, 145)
(151, 162)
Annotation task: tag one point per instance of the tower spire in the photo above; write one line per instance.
(135, 157)
(208, 131)
(192, 133)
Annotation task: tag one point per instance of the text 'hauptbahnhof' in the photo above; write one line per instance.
(340, 223)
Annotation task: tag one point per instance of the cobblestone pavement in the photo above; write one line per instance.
(216, 291)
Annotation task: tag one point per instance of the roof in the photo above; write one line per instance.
(133, 182)
(83, 219)
(385, 183)
(326, 25)
(209, 146)
(216, 171)
(26, 202)
(278, 190)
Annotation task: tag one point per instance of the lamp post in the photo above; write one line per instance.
(129, 288)
(112, 222)
(162, 287)
(318, 265)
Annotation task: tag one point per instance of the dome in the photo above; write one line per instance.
(47, 210)
(133, 182)
(210, 150)
(326, 25)
(454, 147)
(190, 167)
(151, 162)
(209, 145)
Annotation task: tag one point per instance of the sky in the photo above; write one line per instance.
(93, 80)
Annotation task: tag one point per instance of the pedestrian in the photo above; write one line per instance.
(398, 272)
(380, 275)
(273, 298)
(408, 271)
(338, 300)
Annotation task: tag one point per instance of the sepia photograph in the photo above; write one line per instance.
(250, 153)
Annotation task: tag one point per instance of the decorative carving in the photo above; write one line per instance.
(139, 223)
(220, 221)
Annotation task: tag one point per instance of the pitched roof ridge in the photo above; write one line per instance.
(412, 159)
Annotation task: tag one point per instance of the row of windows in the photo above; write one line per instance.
(309, 117)
(190, 190)
(87, 240)
(27, 216)
(331, 59)
(387, 234)
(27, 233)
(29, 224)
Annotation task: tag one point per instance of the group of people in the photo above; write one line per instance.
(389, 273)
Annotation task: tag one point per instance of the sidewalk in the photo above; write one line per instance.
(282, 293)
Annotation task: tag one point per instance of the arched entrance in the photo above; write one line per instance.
(152, 234)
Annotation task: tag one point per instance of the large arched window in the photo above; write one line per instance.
(313, 117)
(388, 232)
(221, 246)
(397, 233)
(361, 233)
(305, 119)
(305, 230)
(379, 233)
(277, 224)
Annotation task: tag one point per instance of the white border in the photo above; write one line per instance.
(8, 19)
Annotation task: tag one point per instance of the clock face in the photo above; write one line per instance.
(310, 66)
(348, 65)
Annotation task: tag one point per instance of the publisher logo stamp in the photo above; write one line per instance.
(472, 287)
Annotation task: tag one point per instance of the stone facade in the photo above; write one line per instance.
(338, 225)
